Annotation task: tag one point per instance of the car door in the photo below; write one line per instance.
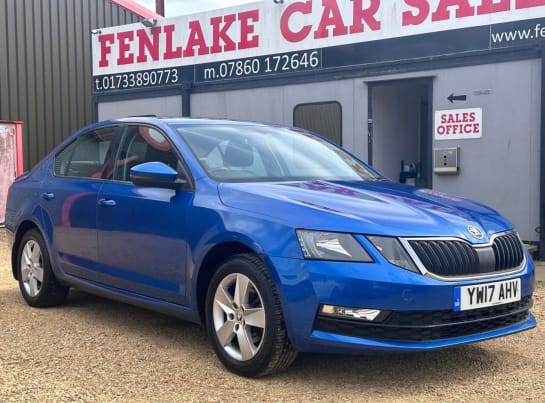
(69, 199)
(142, 230)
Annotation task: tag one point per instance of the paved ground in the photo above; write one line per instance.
(96, 350)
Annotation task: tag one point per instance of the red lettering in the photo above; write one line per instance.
(444, 119)
(331, 16)
(493, 6)
(529, 3)
(220, 33)
(124, 40)
(463, 9)
(417, 16)
(196, 39)
(247, 28)
(368, 15)
(105, 42)
(287, 33)
(458, 128)
(144, 43)
(170, 53)
(472, 116)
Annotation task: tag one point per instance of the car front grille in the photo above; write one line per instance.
(430, 325)
(459, 258)
(507, 251)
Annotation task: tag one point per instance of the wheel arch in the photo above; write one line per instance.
(213, 259)
(22, 229)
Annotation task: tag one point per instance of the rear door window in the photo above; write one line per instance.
(88, 156)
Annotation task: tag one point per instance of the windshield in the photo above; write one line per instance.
(246, 152)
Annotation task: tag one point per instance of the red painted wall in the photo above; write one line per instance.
(11, 159)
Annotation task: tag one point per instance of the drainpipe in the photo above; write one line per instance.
(160, 7)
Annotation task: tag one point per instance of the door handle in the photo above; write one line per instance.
(106, 202)
(48, 195)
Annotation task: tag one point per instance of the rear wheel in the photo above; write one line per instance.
(37, 282)
(244, 318)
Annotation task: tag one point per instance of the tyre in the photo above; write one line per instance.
(244, 318)
(37, 282)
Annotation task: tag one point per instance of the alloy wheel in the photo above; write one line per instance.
(32, 269)
(239, 316)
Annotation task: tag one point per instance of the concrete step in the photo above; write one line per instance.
(540, 270)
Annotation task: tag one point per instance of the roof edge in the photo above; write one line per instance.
(137, 9)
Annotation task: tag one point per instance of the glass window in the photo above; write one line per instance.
(143, 144)
(324, 118)
(87, 156)
(254, 152)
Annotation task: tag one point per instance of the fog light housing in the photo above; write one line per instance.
(370, 315)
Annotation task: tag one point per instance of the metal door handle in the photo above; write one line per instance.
(106, 202)
(48, 195)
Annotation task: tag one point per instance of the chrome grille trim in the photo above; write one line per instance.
(509, 241)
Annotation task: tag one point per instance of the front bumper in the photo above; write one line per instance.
(422, 308)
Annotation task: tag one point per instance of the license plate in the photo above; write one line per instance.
(488, 294)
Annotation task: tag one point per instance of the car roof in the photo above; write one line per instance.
(183, 121)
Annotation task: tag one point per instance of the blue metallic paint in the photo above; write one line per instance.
(117, 252)
(380, 285)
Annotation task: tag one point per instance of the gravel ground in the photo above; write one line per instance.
(92, 349)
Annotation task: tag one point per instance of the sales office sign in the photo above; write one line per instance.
(454, 124)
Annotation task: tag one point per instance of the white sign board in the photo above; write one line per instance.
(454, 124)
(266, 28)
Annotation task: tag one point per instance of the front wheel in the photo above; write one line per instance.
(244, 318)
(37, 281)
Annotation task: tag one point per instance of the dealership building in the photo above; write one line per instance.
(46, 88)
(444, 94)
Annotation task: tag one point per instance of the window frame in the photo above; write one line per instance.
(113, 147)
(331, 102)
(183, 170)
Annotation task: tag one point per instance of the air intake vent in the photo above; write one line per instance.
(508, 251)
(447, 258)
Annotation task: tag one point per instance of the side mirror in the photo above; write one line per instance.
(155, 174)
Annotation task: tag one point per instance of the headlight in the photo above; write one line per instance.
(322, 245)
(393, 251)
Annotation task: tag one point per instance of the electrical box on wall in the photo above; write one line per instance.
(446, 161)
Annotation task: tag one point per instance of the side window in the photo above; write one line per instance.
(324, 118)
(88, 156)
(143, 144)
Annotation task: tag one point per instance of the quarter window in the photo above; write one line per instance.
(323, 118)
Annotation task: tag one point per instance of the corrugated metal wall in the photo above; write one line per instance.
(45, 66)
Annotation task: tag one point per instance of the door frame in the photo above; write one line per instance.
(426, 135)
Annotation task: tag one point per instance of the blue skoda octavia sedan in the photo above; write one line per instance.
(274, 239)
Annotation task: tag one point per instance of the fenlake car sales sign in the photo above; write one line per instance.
(264, 37)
